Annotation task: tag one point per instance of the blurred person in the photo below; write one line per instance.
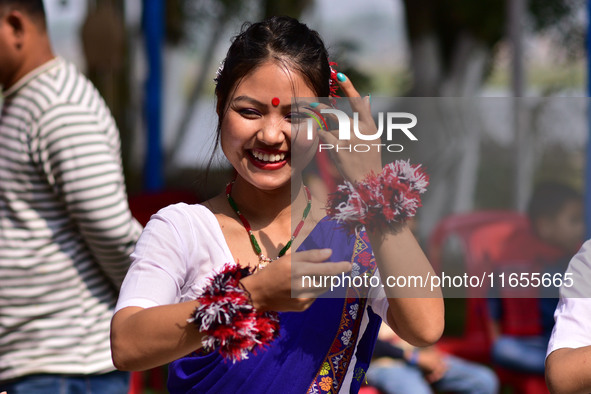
(210, 287)
(66, 231)
(399, 368)
(521, 327)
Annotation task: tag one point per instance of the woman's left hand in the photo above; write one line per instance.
(355, 165)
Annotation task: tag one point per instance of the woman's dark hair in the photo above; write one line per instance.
(279, 38)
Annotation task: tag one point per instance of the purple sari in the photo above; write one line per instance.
(315, 348)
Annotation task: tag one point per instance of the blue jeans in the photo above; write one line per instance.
(523, 354)
(116, 382)
(461, 377)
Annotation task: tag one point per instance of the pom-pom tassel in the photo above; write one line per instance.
(392, 196)
(229, 321)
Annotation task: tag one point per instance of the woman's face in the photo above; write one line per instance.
(257, 127)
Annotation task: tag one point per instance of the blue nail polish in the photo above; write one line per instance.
(369, 94)
(341, 77)
(314, 105)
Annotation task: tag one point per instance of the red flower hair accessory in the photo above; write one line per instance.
(391, 196)
(229, 320)
(332, 82)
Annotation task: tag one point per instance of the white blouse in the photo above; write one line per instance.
(181, 247)
(573, 313)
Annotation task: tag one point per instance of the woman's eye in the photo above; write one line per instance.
(249, 112)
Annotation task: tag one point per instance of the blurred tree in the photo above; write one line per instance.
(343, 51)
(452, 42)
(186, 20)
(452, 48)
(104, 41)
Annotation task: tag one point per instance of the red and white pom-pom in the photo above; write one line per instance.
(391, 196)
(346, 204)
(228, 319)
(414, 176)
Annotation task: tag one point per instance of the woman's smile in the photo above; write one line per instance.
(267, 159)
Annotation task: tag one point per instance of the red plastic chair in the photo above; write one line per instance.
(369, 390)
(144, 205)
(482, 236)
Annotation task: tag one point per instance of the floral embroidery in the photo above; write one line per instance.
(359, 374)
(326, 383)
(337, 360)
(365, 258)
(353, 310)
(313, 389)
(355, 270)
(336, 347)
(346, 337)
(325, 369)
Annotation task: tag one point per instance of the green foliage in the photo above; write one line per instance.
(185, 19)
(564, 19)
(486, 21)
(548, 13)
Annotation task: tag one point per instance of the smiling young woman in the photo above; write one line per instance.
(255, 134)
(183, 304)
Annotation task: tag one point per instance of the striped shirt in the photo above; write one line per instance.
(66, 231)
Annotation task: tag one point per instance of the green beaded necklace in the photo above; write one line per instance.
(264, 260)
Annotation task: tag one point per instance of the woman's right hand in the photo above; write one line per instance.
(354, 166)
(278, 287)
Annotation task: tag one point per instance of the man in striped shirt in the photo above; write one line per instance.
(66, 231)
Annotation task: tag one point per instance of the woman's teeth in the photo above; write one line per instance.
(271, 158)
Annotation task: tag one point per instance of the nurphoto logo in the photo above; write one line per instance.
(393, 124)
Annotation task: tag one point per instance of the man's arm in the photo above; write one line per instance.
(80, 156)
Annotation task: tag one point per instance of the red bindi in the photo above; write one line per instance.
(275, 101)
